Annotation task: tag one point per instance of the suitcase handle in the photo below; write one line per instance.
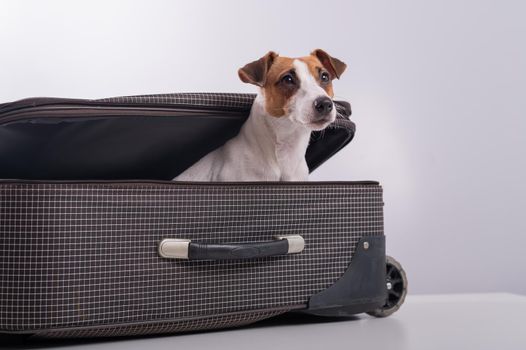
(186, 249)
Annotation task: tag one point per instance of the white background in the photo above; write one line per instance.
(437, 88)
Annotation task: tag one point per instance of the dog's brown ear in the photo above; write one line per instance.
(256, 72)
(332, 64)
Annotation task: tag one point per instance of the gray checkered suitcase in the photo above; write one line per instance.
(95, 241)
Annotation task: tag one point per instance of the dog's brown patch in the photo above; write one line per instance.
(278, 93)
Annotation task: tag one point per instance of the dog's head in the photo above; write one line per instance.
(297, 88)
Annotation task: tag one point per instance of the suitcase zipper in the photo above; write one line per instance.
(83, 111)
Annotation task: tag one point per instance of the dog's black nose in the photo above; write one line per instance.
(323, 105)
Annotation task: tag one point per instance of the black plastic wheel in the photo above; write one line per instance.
(396, 284)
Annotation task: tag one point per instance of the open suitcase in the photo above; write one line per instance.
(95, 240)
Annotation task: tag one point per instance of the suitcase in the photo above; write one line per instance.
(96, 240)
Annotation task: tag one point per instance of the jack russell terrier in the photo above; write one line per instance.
(295, 98)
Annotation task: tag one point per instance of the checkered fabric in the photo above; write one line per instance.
(198, 99)
(86, 254)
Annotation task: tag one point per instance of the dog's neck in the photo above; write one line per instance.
(282, 142)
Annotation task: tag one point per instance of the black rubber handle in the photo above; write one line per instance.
(204, 251)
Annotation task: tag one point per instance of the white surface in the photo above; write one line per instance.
(469, 321)
(437, 88)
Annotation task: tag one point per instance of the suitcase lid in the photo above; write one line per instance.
(133, 137)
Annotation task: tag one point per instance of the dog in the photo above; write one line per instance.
(294, 99)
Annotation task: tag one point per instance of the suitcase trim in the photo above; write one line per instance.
(189, 183)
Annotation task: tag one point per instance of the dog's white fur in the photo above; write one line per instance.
(267, 148)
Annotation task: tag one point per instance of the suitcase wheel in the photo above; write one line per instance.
(396, 284)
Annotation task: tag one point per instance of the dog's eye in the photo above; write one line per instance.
(288, 79)
(324, 76)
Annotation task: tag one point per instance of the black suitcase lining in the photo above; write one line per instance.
(153, 137)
